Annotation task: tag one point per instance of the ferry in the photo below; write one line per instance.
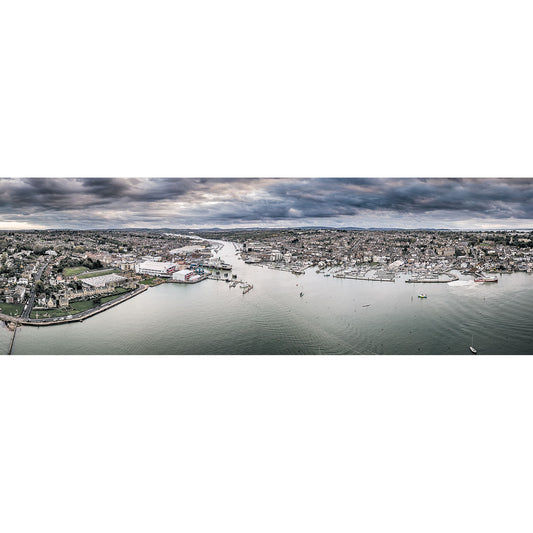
(487, 280)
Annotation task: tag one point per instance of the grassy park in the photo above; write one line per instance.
(50, 313)
(74, 271)
(151, 282)
(11, 309)
(99, 273)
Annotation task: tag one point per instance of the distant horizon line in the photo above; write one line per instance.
(250, 228)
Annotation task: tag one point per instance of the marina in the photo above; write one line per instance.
(365, 275)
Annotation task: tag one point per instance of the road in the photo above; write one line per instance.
(31, 300)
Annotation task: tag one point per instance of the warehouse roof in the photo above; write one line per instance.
(102, 281)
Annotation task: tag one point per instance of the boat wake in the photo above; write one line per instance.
(462, 283)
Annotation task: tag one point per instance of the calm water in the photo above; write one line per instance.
(212, 318)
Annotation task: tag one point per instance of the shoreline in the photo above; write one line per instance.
(79, 317)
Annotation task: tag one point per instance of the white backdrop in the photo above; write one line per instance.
(282, 444)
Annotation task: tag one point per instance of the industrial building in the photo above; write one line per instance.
(186, 276)
(156, 268)
(99, 282)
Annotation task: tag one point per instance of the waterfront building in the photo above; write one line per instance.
(156, 268)
(185, 276)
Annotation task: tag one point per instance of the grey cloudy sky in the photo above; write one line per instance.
(469, 203)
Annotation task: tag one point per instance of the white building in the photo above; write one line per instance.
(185, 276)
(99, 282)
(156, 268)
(396, 264)
(276, 255)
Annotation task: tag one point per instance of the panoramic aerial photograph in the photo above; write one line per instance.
(273, 266)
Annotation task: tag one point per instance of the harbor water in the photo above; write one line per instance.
(333, 316)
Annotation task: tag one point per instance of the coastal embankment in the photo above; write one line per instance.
(71, 318)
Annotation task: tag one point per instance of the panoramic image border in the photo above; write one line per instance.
(307, 265)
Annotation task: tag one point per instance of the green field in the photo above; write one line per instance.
(49, 313)
(118, 292)
(152, 282)
(83, 305)
(74, 271)
(100, 273)
(11, 309)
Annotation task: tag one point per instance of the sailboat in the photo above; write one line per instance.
(472, 349)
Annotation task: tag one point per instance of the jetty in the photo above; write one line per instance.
(10, 349)
(451, 277)
(246, 287)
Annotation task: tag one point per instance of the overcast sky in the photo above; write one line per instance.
(84, 203)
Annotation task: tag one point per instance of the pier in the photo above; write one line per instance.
(233, 282)
(12, 342)
(246, 288)
(451, 277)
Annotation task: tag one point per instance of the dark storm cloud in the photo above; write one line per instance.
(341, 197)
(115, 202)
(68, 193)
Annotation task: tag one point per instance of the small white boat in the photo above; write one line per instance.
(472, 349)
